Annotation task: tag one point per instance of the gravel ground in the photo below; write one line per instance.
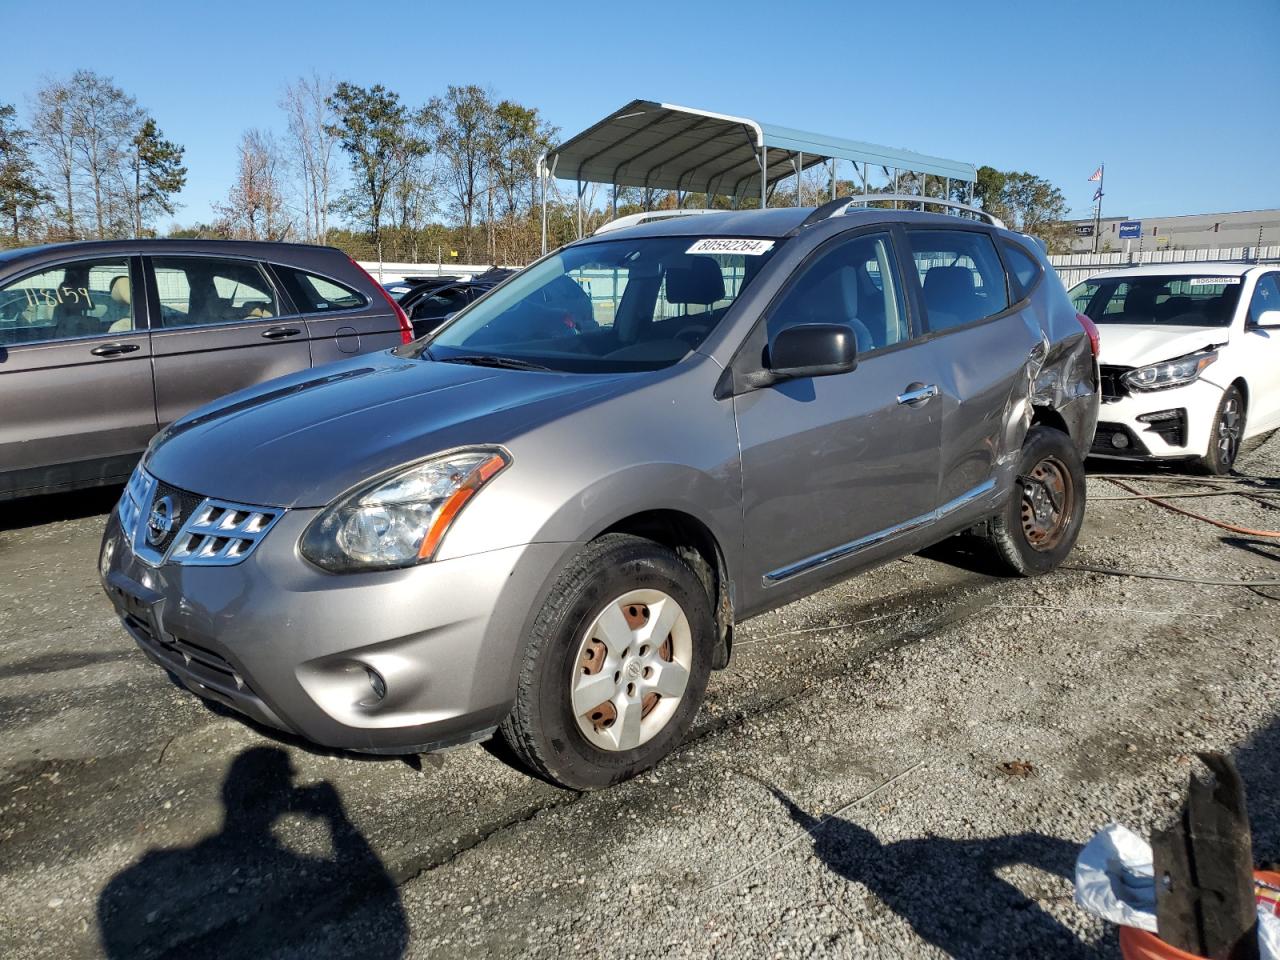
(903, 765)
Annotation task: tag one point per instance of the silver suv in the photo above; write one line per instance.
(548, 517)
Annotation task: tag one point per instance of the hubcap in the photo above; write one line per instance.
(1229, 429)
(1047, 502)
(631, 670)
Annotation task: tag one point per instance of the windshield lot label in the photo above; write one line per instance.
(752, 248)
(1211, 281)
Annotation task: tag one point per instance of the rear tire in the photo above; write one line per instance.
(1039, 526)
(1227, 435)
(595, 639)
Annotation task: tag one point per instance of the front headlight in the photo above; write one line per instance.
(399, 519)
(1170, 373)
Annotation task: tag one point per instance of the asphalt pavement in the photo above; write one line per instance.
(902, 765)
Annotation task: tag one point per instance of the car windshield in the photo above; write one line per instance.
(607, 306)
(1182, 301)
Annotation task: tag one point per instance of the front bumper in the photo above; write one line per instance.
(292, 647)
(1187, 414)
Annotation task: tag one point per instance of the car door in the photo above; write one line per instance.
(984, 338)
(75, 374)
(1259, 355)
(218, 325)
(840, 471)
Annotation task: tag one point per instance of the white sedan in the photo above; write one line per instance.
(1190, 359)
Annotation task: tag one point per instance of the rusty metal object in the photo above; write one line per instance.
(1204, 869)
(1047, 501)
(636, 614)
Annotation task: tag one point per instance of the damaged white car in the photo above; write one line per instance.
(1190, 359)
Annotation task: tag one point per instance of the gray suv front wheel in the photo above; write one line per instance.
(616, 666)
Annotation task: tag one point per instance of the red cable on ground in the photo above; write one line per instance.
(1155, 498)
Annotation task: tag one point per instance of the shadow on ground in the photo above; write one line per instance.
(244, 893)
(950, 891)
(55, 507)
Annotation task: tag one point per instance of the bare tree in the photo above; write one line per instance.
(255, 206)
(104, 120)
(55, 140)
(313, 148)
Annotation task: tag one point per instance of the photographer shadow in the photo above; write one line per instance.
(244, 893)
(950, 891)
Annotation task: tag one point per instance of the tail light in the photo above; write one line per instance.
(1091, 329)
(406, 327)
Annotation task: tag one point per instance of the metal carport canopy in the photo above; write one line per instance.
(669, 147)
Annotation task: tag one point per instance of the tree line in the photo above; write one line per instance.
(359, 168)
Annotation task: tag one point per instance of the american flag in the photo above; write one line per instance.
(1097, 175)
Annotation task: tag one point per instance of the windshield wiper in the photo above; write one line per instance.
(490, 360)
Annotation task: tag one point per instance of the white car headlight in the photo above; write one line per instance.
(399, 519)
(1170, 373)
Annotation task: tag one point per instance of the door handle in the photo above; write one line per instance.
(113, 349)
(917, 394)
(280, 333)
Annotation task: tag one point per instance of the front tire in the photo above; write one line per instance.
(616, 666)
(1228, 432)
(1039, 526)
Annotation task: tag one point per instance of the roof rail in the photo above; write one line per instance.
(841, 209)
(632, 219)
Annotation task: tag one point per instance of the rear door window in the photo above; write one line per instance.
(84, 298)
(961, 276)
(197, 291)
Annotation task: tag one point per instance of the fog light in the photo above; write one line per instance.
(377, 683)
(1119, 440)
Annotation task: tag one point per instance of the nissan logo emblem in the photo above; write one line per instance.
(160, 522)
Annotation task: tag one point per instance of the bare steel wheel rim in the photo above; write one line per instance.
(1048, 501)
(1230, 426)
(631, 670)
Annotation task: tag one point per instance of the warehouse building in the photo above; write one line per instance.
(1245, 228)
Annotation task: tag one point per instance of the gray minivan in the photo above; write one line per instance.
(102, 343)
(548, 516)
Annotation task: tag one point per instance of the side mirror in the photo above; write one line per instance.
(812, 350)
(1269, 319)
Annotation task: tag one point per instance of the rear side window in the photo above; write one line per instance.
(1024, 270)
(314, 294)
(195, 291)
(961, 276)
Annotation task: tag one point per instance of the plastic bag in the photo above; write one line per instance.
(1115, 879)
(1268, 935)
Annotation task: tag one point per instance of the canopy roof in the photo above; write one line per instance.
(668, 147)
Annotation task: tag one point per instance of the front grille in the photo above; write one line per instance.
(201, 530)
(184, 506)
(1112, 385)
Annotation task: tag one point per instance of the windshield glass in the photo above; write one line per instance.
(1185, 301)
(612, 306)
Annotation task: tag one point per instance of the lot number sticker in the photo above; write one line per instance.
(1212, 281)
(751, 248)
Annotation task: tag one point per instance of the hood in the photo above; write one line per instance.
(302, 440)
(1138, 344)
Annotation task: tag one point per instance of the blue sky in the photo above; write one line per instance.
(1178, 98)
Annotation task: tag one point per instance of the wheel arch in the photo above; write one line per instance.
(695, 543)
(1044, 415)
